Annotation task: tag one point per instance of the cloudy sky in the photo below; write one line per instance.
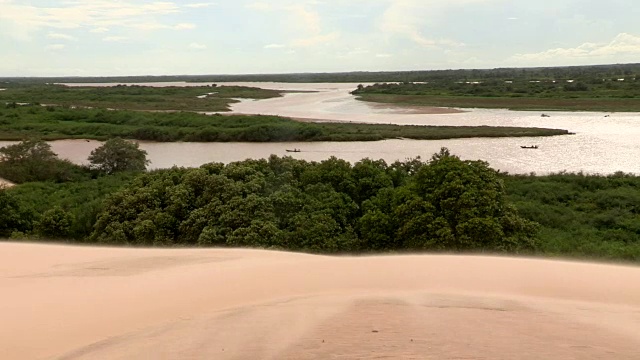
(135, 37)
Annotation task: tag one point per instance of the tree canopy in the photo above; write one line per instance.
(331, 206)
(33, 160)
(118, 155)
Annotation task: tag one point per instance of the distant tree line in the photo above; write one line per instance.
(535, 73)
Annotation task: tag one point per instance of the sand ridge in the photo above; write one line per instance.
(63, 302)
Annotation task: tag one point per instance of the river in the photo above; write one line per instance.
(604, 142)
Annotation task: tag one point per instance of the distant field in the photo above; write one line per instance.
(197, 98)
(512, 103)
(53, 123)
(588, 93)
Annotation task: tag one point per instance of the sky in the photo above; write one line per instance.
(135, 37)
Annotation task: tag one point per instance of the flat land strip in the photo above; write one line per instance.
(55, 122)
(512, 103)
(134, 97)
(589, 89)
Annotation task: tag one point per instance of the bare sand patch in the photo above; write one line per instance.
(4, 184)
(250, 304)
(414, 109)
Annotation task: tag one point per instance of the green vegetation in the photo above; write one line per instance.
(51, 123)
(566, 72)
(588, 94)
(33, 160)
(117, 155)
(576, 88)
(581, 215)
(132, 97)
(22, 207)
(445, 204)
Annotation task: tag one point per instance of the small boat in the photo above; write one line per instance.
(294, 150)
(529, 147)
(545, 115)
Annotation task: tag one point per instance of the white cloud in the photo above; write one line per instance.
(259, 6)
(115, 38)
(150, 26)
(185, 26)
(275, 46)
(407, 17)
(199, 5)
(306, 26)
(74, 14)
(383, 55)
(306, 19)
(55, 47)
(100, 30)
(197, 46)
(316, 40)
(59, 36)
(622, 45)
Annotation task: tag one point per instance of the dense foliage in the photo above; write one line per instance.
(117, 155)
(585, 93)
(582, 215)
(64, 123)
(332, 206)
(23, 207)
(33, 160)
(132, 97)
(445, 204)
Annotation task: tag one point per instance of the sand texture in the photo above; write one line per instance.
(62, 302)
(5, 183)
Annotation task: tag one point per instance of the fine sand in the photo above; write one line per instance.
(61, 302)
(5, 183)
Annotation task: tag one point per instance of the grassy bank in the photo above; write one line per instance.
(132, 97)
(512, 103)
(586, 216)
(586, 94)
(53, 123)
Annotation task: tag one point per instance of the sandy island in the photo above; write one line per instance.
(63, 302)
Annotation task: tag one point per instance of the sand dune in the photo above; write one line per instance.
(60, 302)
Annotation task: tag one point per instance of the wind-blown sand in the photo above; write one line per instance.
(61, 302)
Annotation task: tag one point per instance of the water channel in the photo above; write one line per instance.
(603, 142)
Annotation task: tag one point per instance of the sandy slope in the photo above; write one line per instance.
(5, 183)
(104, 303)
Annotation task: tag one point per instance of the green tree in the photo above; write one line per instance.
(55, 223)
(33, 160)
(13, 216)
(118, 155)
(467, 207)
